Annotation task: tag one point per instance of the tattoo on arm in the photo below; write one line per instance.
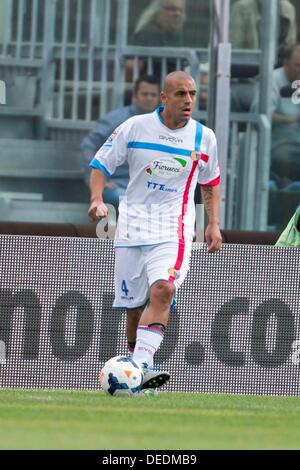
(207, 198)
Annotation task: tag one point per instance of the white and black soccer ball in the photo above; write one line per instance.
(121, 376)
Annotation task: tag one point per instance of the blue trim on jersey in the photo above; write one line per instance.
(160, 110)
(159, 148)
(97, 166)
(198, 137)
(107, 145)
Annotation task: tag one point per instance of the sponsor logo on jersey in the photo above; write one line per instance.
(160, 187)
(166, 167)
(172, 139)
(195, 155)
(111, 137)
(174, 273)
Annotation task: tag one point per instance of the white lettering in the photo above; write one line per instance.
(150, 459)
(110, 460)
(106, 227)
(296, 94)
(296, 352)
(2, 92)
(2, 353)
(200, 215)
(127, 461)
(170, 226)
(165, 459)
(140, 222)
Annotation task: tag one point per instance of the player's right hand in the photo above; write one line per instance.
(97, 210)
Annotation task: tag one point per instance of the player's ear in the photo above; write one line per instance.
(163, 97)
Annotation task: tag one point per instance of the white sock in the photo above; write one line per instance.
(148, 340)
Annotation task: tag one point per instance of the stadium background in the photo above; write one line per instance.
(58, 82)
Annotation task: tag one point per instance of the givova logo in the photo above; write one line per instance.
(2, 92)
(166, 168)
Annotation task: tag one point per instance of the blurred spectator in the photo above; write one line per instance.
(160, 24)
(287, 31)
(145, 99)
(285, 144)
(245, 24)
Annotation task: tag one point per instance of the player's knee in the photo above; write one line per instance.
(162, 292)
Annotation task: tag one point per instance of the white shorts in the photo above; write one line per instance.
(138, 267)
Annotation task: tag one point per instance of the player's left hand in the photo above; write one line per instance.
(213, 237)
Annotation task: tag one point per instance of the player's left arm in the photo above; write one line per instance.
(211, 200)
(209, 180)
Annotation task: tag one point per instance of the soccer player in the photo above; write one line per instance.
(168, 152)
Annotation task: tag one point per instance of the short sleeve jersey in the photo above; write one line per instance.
(164, 168)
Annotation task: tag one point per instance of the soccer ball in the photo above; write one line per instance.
(121, 376)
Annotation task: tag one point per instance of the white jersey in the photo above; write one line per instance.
(164, 168)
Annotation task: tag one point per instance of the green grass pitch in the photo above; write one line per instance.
(43, 419)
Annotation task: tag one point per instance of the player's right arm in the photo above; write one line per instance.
(112, 154)
(97, 209)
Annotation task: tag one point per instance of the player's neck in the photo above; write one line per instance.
(170, 122)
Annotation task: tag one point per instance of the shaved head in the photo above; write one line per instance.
(173, 78)
(178, 98)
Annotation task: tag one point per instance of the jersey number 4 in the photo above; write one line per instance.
(124, 288)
